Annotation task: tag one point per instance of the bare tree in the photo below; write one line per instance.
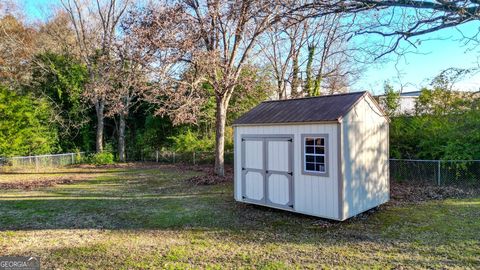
(396, 21)
(230, 31)
(55, 35)
(319, 47)
(95, 24)
(281, 47)
(330, 56)
(17, 47)
(129, 83)
(168, 39)
(222, 35)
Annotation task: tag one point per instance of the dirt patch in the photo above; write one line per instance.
(44, 182)
(127, 165)
(179, 167)
(208, 176)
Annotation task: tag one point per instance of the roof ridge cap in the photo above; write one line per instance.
(324, 96)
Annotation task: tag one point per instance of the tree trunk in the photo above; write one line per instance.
(318, 82)
(121, 139)
(280, 90)
(220, 121)
(99, 108)
(309, 88)
(295, 79)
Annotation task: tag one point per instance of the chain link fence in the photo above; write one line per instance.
(59, 160)
(464, 173)
(190, 158)
(41, 161)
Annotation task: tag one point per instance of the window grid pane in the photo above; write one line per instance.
(315, 154)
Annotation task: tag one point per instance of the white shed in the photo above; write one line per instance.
(323, 156)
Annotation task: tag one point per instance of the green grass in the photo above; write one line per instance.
(151, 218)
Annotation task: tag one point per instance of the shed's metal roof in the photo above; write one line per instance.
(311, 109)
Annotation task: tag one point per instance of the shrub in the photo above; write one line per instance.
(190, 141)
(25, 127)
(78, 156)
(103, 158)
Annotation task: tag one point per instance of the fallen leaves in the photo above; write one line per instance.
(209, 177)
(408, 192)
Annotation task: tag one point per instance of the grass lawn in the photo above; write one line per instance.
(152, 218)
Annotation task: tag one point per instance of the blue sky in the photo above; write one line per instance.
(438, 51)
(31, 7)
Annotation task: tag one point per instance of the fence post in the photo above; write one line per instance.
(438, 173)
(73, 158)
(174, 157)
(193, 158)
(156, 156)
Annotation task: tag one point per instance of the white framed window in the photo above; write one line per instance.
(315, 154)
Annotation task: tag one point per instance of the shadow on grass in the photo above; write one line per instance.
(160, 200)
(201, 210)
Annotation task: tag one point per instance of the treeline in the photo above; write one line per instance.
(48, 114)
(127, 76)
(445, 124)
(48, 103)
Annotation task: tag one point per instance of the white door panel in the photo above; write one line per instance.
(254, 154)
(254, 185)
(278, 155)
(278, 189)
(267, 176)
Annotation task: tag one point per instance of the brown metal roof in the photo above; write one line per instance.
(311, 109)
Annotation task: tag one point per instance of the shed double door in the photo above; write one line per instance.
(267, 170)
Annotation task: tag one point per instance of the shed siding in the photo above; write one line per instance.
(365, 158)
(313, 195)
